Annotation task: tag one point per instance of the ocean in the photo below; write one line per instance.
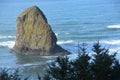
(73, 21)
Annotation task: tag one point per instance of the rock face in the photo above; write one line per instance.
(34, 35)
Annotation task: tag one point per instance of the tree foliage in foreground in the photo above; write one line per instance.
(101, 65)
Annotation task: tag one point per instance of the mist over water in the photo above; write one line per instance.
(73, 21)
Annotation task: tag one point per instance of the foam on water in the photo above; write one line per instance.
(30, 64)
(112, 42)
(71, 45)
(56, 34)
(64, 42)
(67, 33)
(3, 37)
(8, 44)
(114, 26)
(115, 50)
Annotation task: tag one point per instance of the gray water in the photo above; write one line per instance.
(72, 21)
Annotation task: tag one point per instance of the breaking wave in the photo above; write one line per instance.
(56, 34)
(112, 42)
(72, 45)
(114, 26)
(4, 37)
(8, 44)
(64, 42)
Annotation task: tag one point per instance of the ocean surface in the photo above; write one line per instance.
(73, 21)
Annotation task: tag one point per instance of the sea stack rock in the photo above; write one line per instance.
(34, 35)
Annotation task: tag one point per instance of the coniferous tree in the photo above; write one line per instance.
(99, 66)
(102, 63)
(46, 77)
(60, 69)
(81, 65)
(116, 71)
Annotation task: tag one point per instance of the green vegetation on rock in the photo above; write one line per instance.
(34, 35)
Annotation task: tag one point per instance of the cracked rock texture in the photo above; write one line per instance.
(34, 35)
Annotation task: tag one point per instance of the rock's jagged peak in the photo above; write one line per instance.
(34, 35)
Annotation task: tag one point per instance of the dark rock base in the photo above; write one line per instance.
(57, 51)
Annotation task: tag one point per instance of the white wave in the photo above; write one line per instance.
(72, 56)
(3, 37)
(67, 33)
(64, 41)
(114, 26)
(56, 34)
(112, 42)
(117, 49)
(29, 64)
(8, 44)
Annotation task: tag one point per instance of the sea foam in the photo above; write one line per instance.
(3, 37)
(56, 34)
(64, 42)
(114, 26)
(8, 44)
(112, 42)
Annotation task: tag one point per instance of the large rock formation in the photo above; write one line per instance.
(34, 35)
